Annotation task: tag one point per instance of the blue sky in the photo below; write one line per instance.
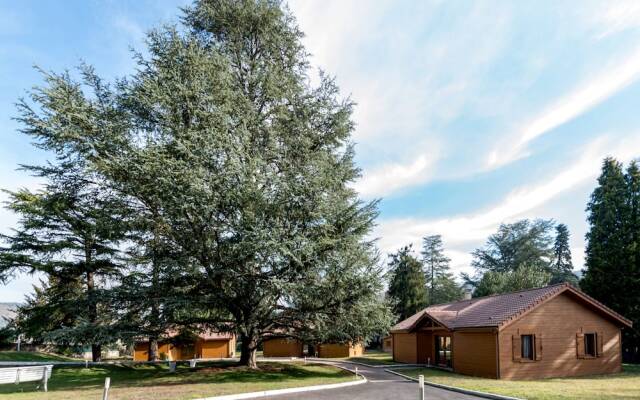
(469, 113)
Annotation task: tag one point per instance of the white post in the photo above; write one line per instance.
(18, 344)
(18, 376)
(428, 361)
(305, 359)
(45, 378)
(86, 363)
(172, 366)
(192, 363)
(107, 384)
(356, 371)
(421, 387)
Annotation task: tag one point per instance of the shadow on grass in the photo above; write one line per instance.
(78, 378)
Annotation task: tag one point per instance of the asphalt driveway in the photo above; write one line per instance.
(381, 385)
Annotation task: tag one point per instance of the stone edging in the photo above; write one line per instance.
(457, 389)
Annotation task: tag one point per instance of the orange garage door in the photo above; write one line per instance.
(215, 349)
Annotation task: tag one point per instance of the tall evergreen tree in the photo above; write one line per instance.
(441, 284)
(249, 165)
(612, 275)
(561, 266)
(69, 232)
(407, 286)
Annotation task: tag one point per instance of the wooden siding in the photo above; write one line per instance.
(338, 350)
(425, 347)
(219, 348)
(474, 353)
(387, 344)
(214, 348)
(405, 348)
(282, 348)
(556, 325)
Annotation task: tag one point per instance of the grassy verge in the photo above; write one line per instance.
(155, 382)
(374, 358)
(32, 356)
(625, 385)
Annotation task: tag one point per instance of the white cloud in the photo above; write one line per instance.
(615, 17)
(463, 233)
(391, 177)
(615, 77)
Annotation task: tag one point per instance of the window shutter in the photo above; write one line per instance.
(580, 345)
(538, 343)
(600, 344)
(517, 348)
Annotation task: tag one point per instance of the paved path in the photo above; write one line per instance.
(381, 385)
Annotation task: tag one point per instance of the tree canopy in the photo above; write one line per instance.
(234, 162)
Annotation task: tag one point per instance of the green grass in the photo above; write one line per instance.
(32, 356)
(155, 382)
(625, 385)
(373, 357)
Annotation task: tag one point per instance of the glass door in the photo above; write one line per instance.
(443, 351)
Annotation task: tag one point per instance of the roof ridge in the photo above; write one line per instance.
(475, 299)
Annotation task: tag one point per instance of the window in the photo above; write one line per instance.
(527, 347)
(590, 340)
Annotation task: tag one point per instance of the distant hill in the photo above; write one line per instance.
(7, 310)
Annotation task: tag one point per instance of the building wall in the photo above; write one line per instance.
(339, 350)
(387, 344)
(221, 348)
(405, 348)
(214, 348)
(474, 353)
(282, 347)
(556, 324)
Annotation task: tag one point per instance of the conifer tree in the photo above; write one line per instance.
(250, 168)
(441, 284)
(612, 273)
(407, 286)
(561, 266)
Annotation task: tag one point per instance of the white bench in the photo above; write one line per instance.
(26, 374)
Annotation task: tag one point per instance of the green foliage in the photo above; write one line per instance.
(523, 243)
(234, 174)
(440, 282)
(407, 287)
(612, 273)
(524, 277)
(519, 256)
(561, 266)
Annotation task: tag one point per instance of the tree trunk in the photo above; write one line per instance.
(96, 352)
(153, 349)
(249, 346)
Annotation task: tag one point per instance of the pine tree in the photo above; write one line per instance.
(69, 232)
(441, 284)
(407, 286)
(612, 275)
(606, 238)
(249, 165)
(561, 266)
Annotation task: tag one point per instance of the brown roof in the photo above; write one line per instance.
(497, 310)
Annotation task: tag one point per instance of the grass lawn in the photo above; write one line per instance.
(32, 356)
(625, 385)
(374, 358)
(155, 382)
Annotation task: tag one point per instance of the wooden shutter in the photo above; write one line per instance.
(537, 338)
(517, 348)
(580, 345)
(600, 344)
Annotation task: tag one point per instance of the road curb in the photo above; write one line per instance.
(457, 389)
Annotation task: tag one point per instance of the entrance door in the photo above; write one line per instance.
(443, 351)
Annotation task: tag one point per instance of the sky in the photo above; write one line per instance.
(469, 114)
